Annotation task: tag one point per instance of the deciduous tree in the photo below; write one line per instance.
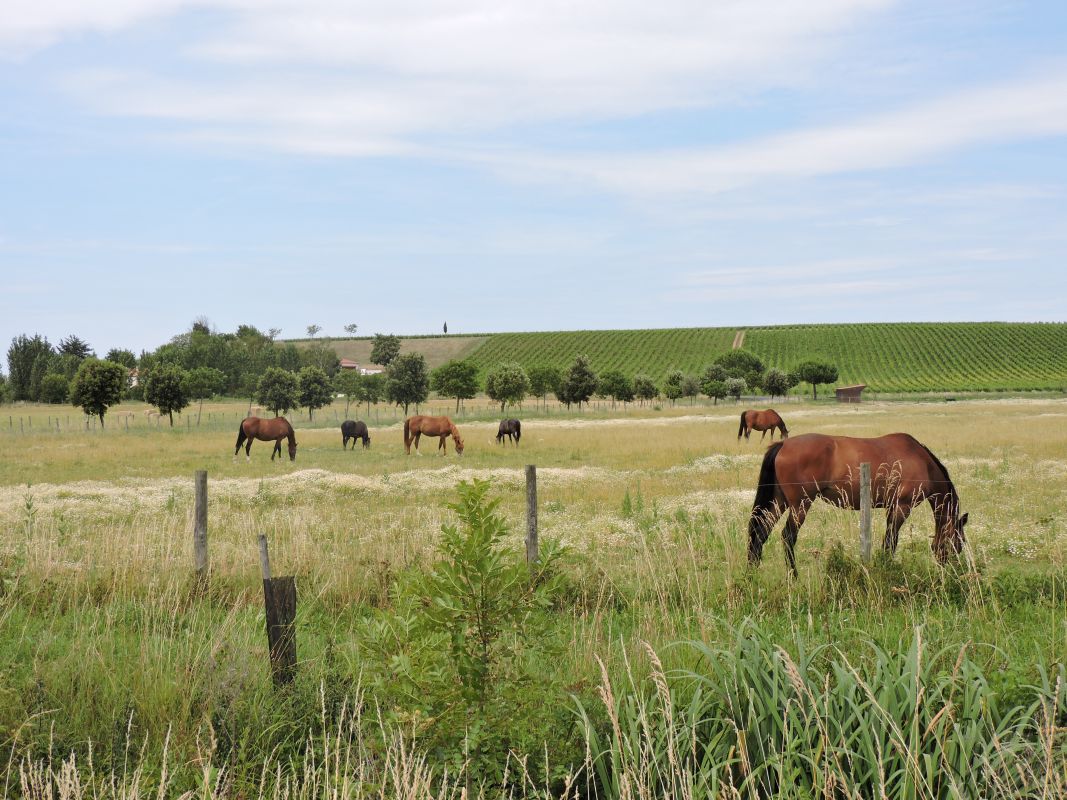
(507, 384)
(458, 379)
(165, 389)
(277, 390)
(407, 380)
(816, 372)
(315, 391)
(97, 386)
(385, 350)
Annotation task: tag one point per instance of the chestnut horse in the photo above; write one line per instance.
(510, 428)
(761, 421)
(266, 430)
(904, 473)
(419, 425)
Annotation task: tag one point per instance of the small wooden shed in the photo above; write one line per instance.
(849, 394)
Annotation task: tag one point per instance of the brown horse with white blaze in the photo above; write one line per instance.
(904, 474)
(266, 430)
(767, 420)
(418, 426)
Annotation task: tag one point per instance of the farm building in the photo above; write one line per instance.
(849, 394)
(364, 369)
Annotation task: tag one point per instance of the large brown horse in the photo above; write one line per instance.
(761, 421)
(266, 430)
(904, 473)
(419, 425)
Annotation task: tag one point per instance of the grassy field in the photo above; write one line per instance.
(117, 678)
(436, 349)
(898, 357)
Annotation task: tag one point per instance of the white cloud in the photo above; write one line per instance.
(1027, 108)
(325, 76)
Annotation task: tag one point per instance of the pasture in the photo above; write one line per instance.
(108, 653)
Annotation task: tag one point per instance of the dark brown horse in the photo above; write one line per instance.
(419, 425)
(511, 428)
(266, 430)
(761, 421)
(904, 473)
(350, 429)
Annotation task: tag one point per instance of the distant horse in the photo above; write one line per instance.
(354, 430)
(904, 473)
(266, 430)
(511, 428)
(761, 421)
(417, 426)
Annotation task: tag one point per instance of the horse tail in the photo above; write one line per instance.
(766, 489)
(742, 428)
(407, 434)
(518, 431)
(240, 436)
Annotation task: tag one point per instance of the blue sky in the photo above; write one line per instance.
(527, 166)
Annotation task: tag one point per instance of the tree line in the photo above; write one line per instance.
(201, 363)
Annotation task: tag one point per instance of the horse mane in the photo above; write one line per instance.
(937, 461)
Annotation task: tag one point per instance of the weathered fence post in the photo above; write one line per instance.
(279, 601)
(865, 511)
(200, 528)
(531, 514)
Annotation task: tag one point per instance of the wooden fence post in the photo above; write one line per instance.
(279, 601)
(531, 514)
(865, 511)
(200, 528)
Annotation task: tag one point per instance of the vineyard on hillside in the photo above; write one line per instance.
(888, 357)
(911, 357)
(655, 352)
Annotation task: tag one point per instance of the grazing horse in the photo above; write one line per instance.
(761, 421)
(266, 430)
(354, 430)
(904, 473)
(511, 428)
(415, 427)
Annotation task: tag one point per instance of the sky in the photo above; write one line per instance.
(515, 166)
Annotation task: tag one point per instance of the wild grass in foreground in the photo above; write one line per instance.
(892, 679)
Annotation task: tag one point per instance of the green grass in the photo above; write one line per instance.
(105, 649)
(891, 357)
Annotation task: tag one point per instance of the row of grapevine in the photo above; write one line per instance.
(655, 352)
(888, 357)
(905, 357)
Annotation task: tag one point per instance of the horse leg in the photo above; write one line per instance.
(895, 516)
(764, 434)
(248, 449)
(789, 534)
(277, 451)
(418, 436)
(759, 532)
(443, 445)
(240, 440)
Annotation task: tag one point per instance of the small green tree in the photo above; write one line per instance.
(408, 380)
(351, 328)
(690, 388)
(347, 382)
(165, 388)
(713, 382)
(55, 388)
(458, 379)
(579, 382)
(386, 349)
(372, 389)
(463, 645)
(674, 385)
(203, 382)
(614, 384)
(816, 372)
(312, 330)
(776, 383)
(742, 364)
(645, 388)
(74, 346)
(277, 390)
(315, 391)
(544, 379)
(735, 387)
(97, 386)
(507, 384)
(124, 357)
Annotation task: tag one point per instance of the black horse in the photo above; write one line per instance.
(354, 430)
(511, 428)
